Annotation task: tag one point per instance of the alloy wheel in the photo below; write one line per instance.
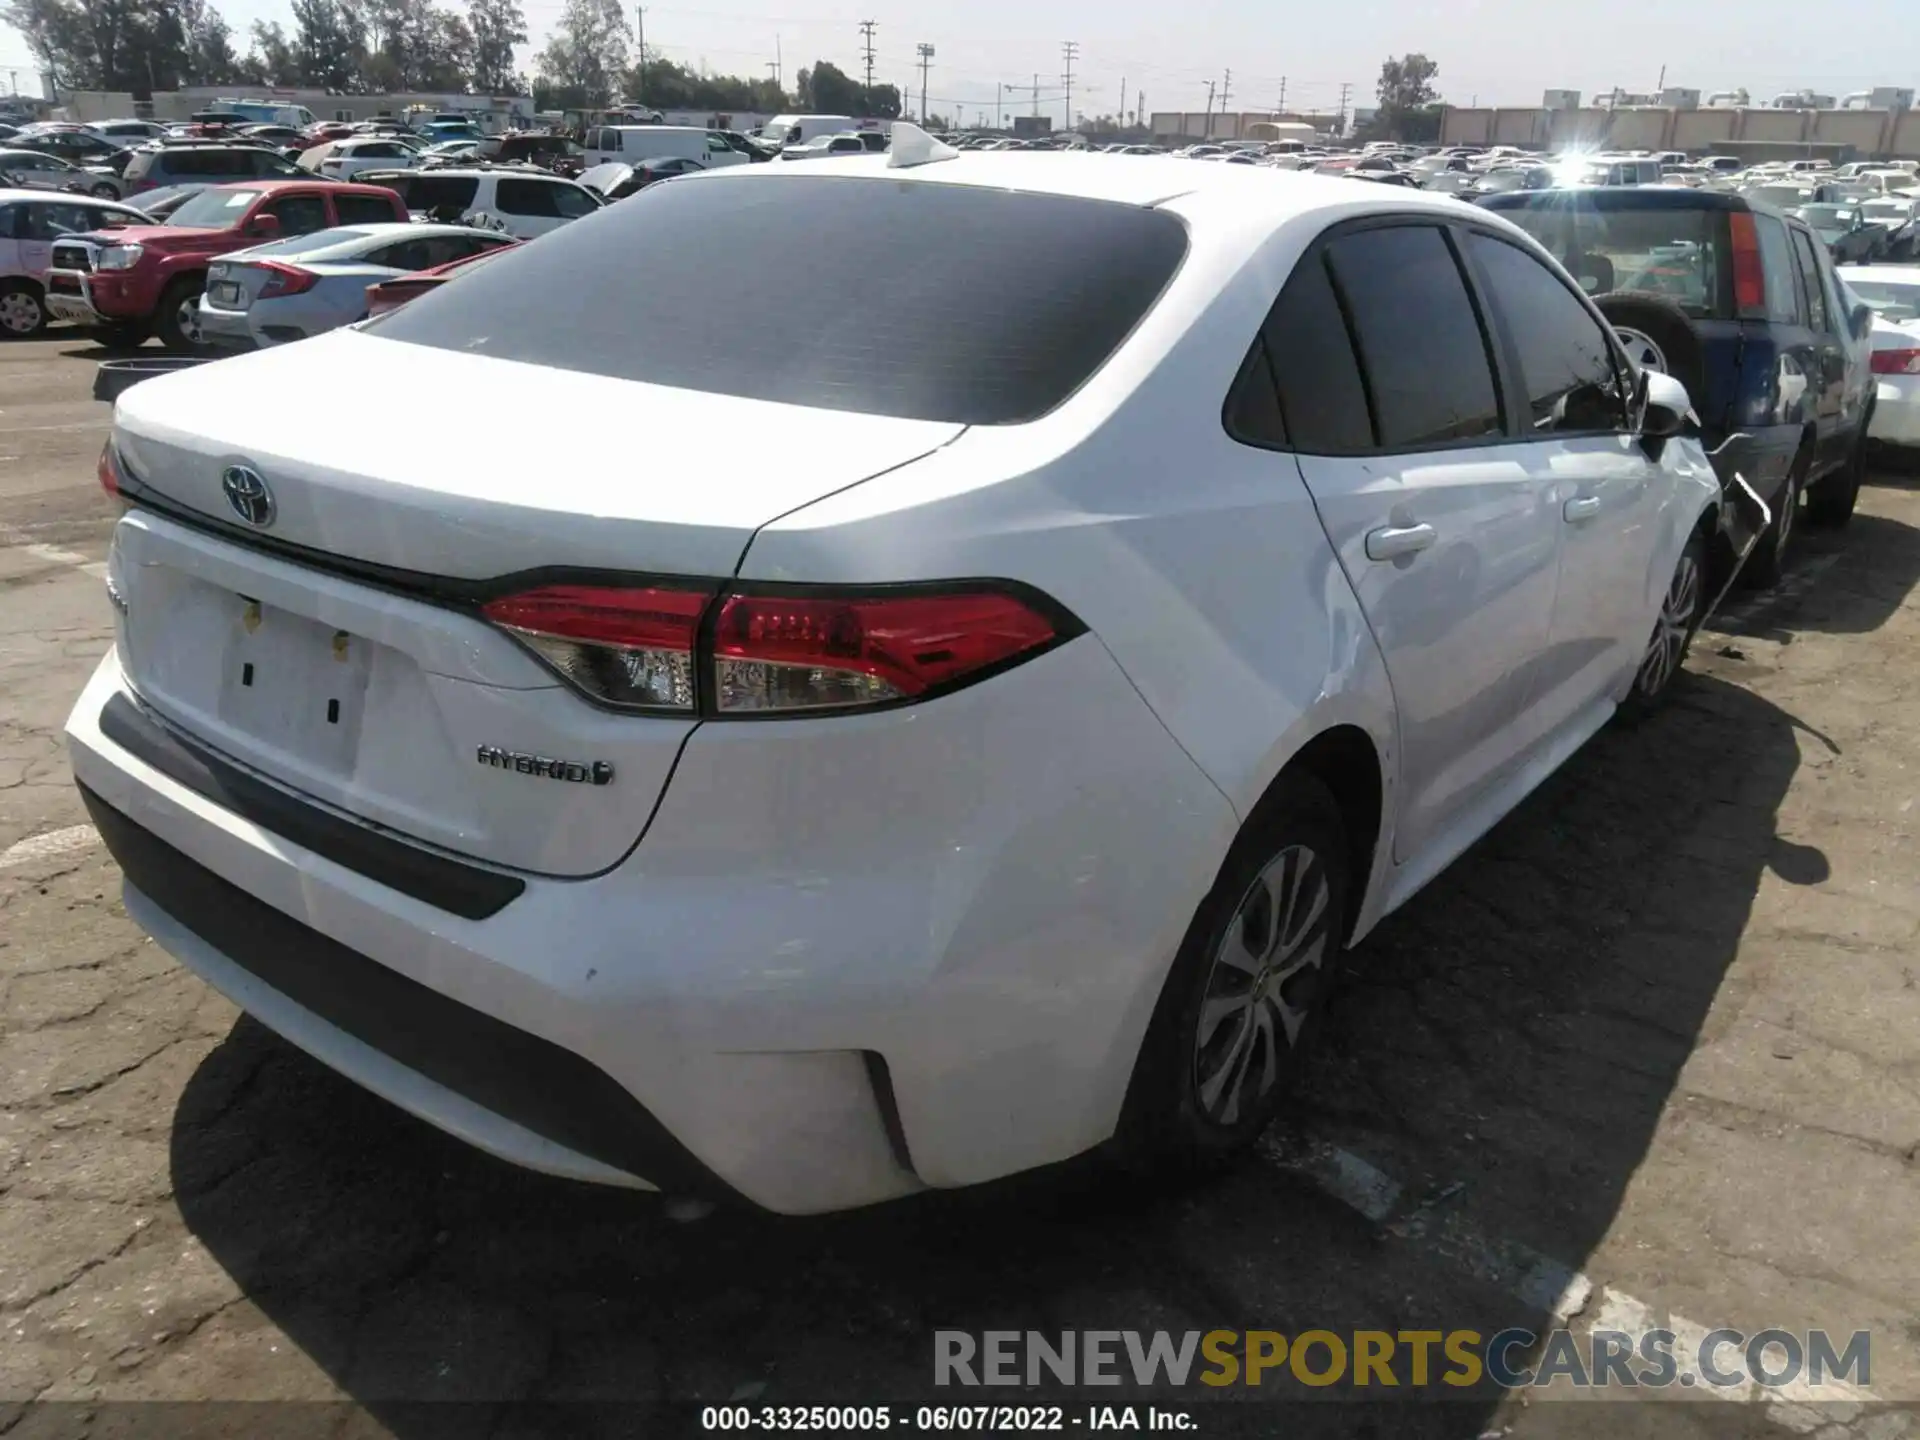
(188, 318)
(1259, 990)
(1641, 349)
(1671, 630)
(20, 313)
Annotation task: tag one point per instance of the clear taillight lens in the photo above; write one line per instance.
(789, 650)
(633, 649)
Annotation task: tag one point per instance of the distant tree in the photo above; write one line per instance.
(587, 52)
(329, 44)
(878, 101)
(1408, 100)
(496, 26)
(272, 56)
(829, 90)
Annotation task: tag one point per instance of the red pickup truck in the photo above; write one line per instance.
(137, 280)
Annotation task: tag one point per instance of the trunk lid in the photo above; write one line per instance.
(399, 705)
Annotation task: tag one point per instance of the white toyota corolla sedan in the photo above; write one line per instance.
(907, 671)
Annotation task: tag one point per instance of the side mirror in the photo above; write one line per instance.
(264, 227)
(1664, 406)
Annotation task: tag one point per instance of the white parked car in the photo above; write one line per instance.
(349, 157)
(30, 221)
(946, 737)
(1893, 293)
(521, 203)
(293, 289)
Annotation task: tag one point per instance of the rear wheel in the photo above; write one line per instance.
(179, 319)
(1245, 995)
(1681, 611)
(1832, 501)
(21, 312)
(1769, 559)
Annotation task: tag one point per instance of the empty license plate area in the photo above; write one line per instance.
(297, 685)
(228, 294)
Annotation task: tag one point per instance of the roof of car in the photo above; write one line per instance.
(9, 194)
(1126, 179)
(1618, 197)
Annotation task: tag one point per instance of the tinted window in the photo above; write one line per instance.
(50, 220)
(1419, 341)
(1566, 360)
(1252, 414)
(935, 302)
(434, 192)
(298, 214)
(10, 216)
(1321, 395)
(572, 202)
(1776, 260)
(1810, 288)
(363, 209)
(527, 197)
(1837, 308)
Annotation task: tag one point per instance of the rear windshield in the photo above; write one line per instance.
(924, 301)
(1677, 253)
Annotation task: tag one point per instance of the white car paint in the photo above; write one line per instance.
(1894, 293)
(349, 157)
(987, 889)
(30, 221)
(637, 144)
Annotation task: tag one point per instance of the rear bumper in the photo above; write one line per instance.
(1896, 410)
(228, 329)
(851, 959)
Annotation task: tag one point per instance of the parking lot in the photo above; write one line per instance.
(1644, 1055)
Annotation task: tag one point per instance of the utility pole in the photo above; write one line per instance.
(1068, 50)
(640, 39)
(1340, 126)
(1036, 94)
(1139, 106)
(867, 28)
(1206, 125)
(1281, 109)
(926, 59)
(779, 70)
(1661, 83)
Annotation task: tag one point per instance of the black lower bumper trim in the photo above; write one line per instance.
(521, 1077)
(446, 884)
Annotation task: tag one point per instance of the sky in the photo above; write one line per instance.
(1503, 52)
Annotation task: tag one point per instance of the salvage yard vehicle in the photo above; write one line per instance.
(30, 221)
(525, 200)
(1847, 234)
(939, 793)
(392, 294)
(1899, 215)
(1741, 303)
(1893, 292)
(147, 279)
(293, 289)
(32, 170)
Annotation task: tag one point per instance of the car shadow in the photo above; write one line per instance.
(1837, 582)
(1504, 1049)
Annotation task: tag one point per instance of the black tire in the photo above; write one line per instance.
(1831, 503)
(1769, 559)
(1681, 612)
(104, 191)
(130, 336)
(167, 321)
(23, 314)
(1665, 325)
(1169, 1121)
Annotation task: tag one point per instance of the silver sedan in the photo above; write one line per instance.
(289, 289)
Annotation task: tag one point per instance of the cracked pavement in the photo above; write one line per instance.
(1659, 1026)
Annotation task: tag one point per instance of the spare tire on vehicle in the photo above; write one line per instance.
(1659, 336)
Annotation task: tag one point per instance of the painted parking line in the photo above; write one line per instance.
(1542, 1282)
(52, 845)
(53, 554)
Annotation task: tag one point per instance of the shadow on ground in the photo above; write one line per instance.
(1505, 1049)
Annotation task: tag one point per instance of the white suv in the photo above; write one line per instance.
(30, 221)
(522, 202)
(349, 157)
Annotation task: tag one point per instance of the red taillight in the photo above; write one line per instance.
(785, 652)
(1749, 277)
(140, 185)
(283, 279)
(774, 652)
(109, 471)
(1896, 362)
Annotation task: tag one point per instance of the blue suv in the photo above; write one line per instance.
(1741, 304)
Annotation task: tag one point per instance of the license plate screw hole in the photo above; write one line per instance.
(246, 674)
(333, 712)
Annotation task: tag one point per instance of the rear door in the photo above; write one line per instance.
(299, 212)
(1387, 383)
(1827, 355)
(1572, 396)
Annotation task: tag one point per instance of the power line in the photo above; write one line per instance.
(1068, 50)
(867, 28)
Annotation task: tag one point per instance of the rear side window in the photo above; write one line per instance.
(363, 209)
(930, 302)
(298, 214)
(1321, 394)
(432, 192)
(1419, 340)
(1810, 287)
(527, 197)
(1566, 360)
(1776, 261)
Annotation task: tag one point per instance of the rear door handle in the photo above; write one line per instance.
(1392, 541)
(1581, 507)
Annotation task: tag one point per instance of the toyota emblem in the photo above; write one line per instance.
(247, 495)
